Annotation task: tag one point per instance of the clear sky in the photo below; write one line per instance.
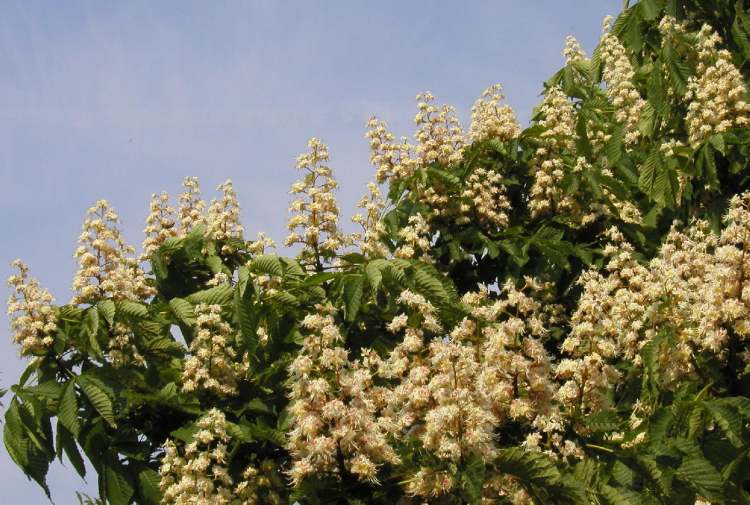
(117, 100)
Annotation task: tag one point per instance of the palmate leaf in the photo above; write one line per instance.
(67, 410)
(183, 310)
(268, 264)
(217, 295)
(697, 472)
(353, 288)
(728, 419)
(116, 483)
(67, 444)
(95, 392)
(33, 461)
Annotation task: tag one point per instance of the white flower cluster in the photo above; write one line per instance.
(315, 213)
(212, 365)
(392, 160)
(336, 424)
(32, 317)
(548, 167)
(160, 224)
(490, 120)
(369, 240)
(261, 244)
(453, 393)
(696, 287)
(192, 207)
(122, 350)
(618, 74)
(415, 238)
(487, 199)
(439, 134)
(107, 267)
(573, 51)
(717, 94)
(197, 473)
(223, 219)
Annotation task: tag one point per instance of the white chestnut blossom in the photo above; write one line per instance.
(314, 221)
(212, 365)
(336, 425)
(197, 473)
(192, 211)
(490, 120)
(439, 135)
(107, 267)
(618, 74)
(223, 219)
(548, 168)
(160, 224)
(369, 240)
(32, 316)
(717, 96)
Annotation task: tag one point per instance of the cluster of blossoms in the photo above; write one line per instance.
(696, 289)
(486, 199)
(716, 94)
(122, 349)
(415, 239)
(618, 73)
(192, 211)
(548, 167)
(573, 52)
(490, 120)
(198, 473)
(315, 214)
(369, 240)
(392, 160)
(32, 317)
(107, 266)
(439, 134)
(336, 423)
(212, 365)
(223, 219)
(160, 224)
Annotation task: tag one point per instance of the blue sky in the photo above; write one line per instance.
(118, 100)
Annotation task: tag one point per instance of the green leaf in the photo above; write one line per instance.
(67, 443)
(132, 309)
(217, 295)
(183, 310)
(117, 485)
(353, 288)
(267, 264)
(728, 419)
(107, 310)
(148, 484)
(374, 273)
(67, 410)
(697, 472)
(96, 394)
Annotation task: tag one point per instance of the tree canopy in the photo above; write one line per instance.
(556, 314)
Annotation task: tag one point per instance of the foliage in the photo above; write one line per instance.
(497, 334)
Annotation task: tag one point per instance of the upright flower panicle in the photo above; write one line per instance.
(192, 208)
(490, 120)
(32, 317)
(335, 417)
(392, 160)
(618, 74)
(160, 224)
(315, 213)
(548, 167)
(439, 134)
(223, 220)
(107, 267)
(717, 96)
(212, 365)
(369, 240)
(573, 51)
(197, 473)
